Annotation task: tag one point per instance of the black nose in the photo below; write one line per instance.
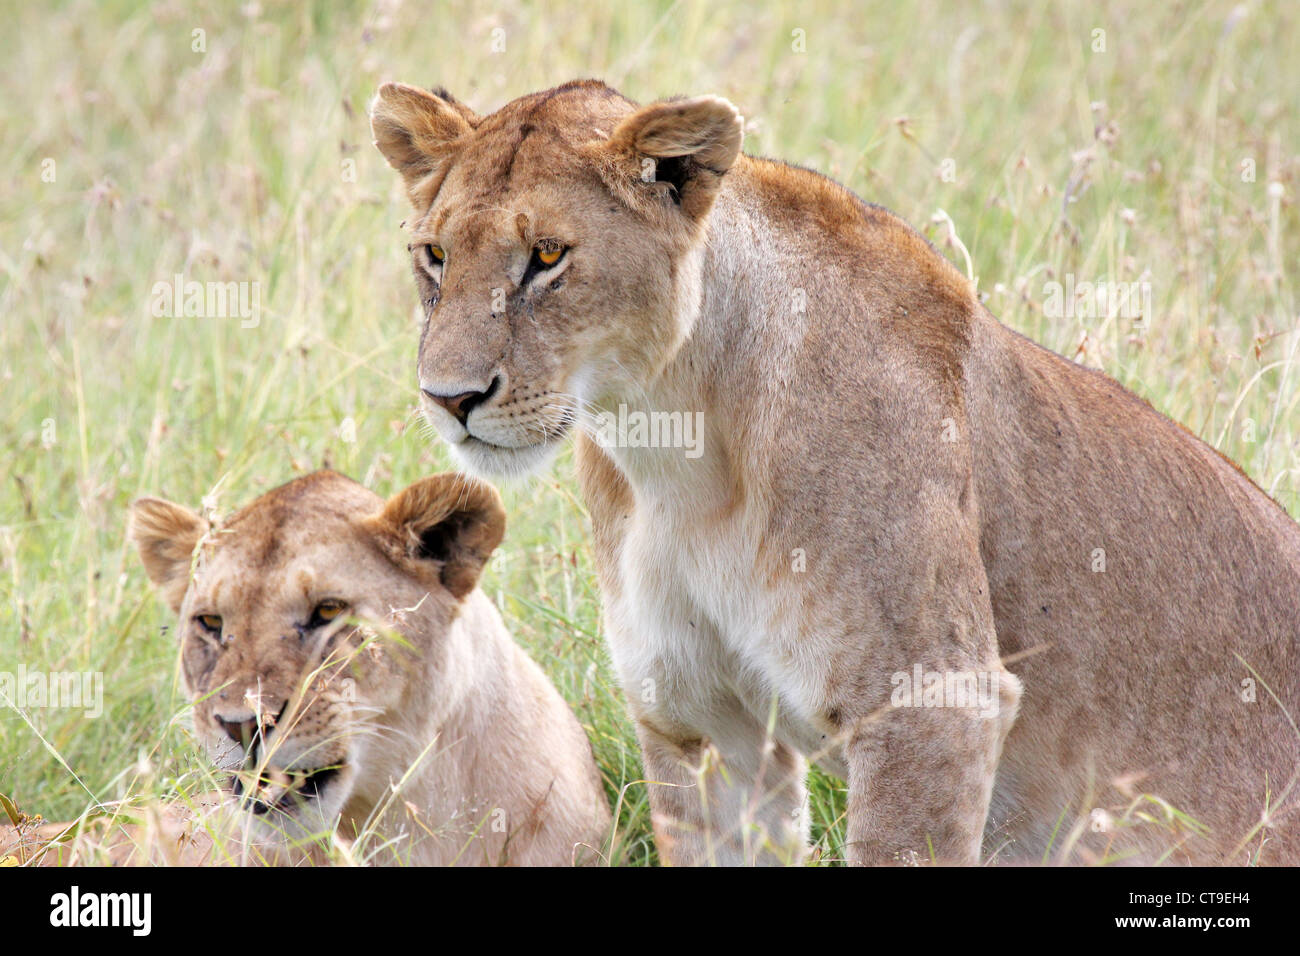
(241, 732)
(461, 405)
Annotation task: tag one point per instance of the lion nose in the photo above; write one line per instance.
(241, 732)
(461, 404)
(245, 727)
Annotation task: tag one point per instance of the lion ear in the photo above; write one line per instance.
(417, 130)
(166, 535)
(688, 144)
(452, 522)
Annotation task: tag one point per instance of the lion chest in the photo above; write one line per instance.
(693, 623)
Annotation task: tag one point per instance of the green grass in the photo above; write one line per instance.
(251, 161)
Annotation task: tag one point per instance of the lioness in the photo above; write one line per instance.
(1013, 606)
(343, 662)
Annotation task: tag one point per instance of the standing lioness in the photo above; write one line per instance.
(1006, 600)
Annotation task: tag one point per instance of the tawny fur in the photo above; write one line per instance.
(889, 479)
(416, 685)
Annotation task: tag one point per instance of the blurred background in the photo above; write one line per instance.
(1050, 151)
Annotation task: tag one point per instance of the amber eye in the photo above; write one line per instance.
(436, 254)
(549, 257)
(210, 623)
(325, 612)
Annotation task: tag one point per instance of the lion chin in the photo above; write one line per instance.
(488, 461)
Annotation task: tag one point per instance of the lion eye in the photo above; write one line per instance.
(435, 253)
(210, 623)
(550, 256)
(325, 612)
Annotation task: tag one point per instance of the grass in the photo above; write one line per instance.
(128, 156)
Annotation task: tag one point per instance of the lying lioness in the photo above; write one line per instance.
(1012, 605)
(344, 665)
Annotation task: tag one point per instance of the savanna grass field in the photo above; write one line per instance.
(1045, 149)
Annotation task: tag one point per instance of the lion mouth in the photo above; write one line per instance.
(541, 438)
(285, 792)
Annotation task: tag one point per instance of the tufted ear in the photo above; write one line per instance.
(688, 144)
(452, 521)
(166, 535)
(417, 130)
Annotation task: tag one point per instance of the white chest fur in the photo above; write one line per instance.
(695, 631)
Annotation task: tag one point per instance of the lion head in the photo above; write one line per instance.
(557, 249)
(310, 626)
